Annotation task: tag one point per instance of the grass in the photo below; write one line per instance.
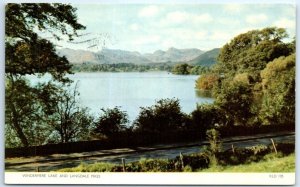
(270, 163)
(259, 158)
(97, 167)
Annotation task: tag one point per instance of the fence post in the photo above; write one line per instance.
(181, 160)
(274, 146)
(123, 164)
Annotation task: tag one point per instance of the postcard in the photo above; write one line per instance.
(150, 93)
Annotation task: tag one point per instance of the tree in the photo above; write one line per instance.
(251, 51)
(198, 70)
(207, 81)
(66, 118)
(207, 116)
(239, 67)
(235, 99)
(28, 53)
(24, 113)
(164, 116)
(278, 83)
(111, 122)
(181, 69)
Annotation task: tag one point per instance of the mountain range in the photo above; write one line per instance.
(111, 56)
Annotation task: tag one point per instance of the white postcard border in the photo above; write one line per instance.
(150, 178)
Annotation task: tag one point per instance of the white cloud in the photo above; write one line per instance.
(203, 18)
(233, 8)
(186, 34)
(146, 40)
(200, 35)
(219, 35)
(290, 10)
(134, 27)
(229, 21)
(285, 23)
(148, 11)
(179, 17)
(167, 43)
(256, 18)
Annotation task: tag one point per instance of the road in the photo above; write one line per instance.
(55, 162)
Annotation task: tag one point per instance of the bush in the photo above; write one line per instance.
(206, 116)
(111, 122)
(151, 165)
(187, 168)
(164, 116)
(196, 161)
(207, 81)
(235, 100)
(215, 146)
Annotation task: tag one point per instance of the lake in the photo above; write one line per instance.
(132, 90)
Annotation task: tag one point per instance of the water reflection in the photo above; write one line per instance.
(204, 94)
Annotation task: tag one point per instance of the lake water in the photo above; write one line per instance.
(132, 90)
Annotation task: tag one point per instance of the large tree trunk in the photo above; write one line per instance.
(17, 126)
(14, 122)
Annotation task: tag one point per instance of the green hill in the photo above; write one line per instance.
(208, 58)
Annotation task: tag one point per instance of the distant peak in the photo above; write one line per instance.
(172, 49)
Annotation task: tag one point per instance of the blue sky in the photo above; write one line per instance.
(149, 27)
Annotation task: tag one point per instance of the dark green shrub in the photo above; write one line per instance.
(151, 165)
(285, 148)
(111, 122)
(206, 116)
(164, 116)
(197, 161)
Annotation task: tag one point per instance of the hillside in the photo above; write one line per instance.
(206, 59)
(174, 55)
(115, 56)
(78, 56)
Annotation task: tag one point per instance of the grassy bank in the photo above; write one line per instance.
(251, 159)
(271, 163)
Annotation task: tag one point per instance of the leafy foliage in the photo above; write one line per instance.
(234, 99)
(182, 69)
(67, 119)
(24, 113)
(120, 67)
(29, 53)
(278, 82)
(111, 122)
(206, 116)
(207, 81)
(239, 78)
(26, 51)
(251, 51)
(215, 145)
(164, 116)
(186, 69)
